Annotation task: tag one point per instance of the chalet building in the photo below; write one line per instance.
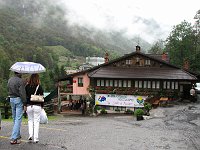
(128, 81)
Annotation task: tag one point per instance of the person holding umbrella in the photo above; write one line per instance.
(34, 108)
(17, 94)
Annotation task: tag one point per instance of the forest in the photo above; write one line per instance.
(28, 33)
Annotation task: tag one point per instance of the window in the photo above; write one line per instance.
(137, 59)
(80, 82)
(125, 83)
(120, 83)
(153, 84)
(176, 85)
(164, 85)
(107, 83)
(128, 61)
(136, 84)
(129, 83)
(149, 84)
(147, 62)
(98, 82)
(140, 84)
(172, 83)
(102, 82)
(158, 84)
(115, 83)
(168, 84)
(145, 84)
(111, 82)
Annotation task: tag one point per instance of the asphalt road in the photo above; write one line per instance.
(170, 128)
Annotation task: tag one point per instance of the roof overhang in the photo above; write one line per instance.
(142, 73)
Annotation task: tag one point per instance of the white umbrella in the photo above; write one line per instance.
(27, 67)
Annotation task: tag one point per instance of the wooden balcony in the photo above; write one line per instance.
(66, 89)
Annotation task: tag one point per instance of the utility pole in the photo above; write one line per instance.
(59, 98)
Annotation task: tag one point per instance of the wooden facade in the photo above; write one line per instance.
(136, 74)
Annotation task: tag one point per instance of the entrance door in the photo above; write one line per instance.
(185, 91)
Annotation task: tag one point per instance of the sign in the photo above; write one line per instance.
(120, 100)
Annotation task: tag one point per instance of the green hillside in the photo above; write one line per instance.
(38, 31)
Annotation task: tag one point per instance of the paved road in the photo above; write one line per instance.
(172, 128)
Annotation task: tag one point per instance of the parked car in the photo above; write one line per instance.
(197, 88)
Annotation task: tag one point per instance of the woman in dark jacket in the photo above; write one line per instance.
(34, 108)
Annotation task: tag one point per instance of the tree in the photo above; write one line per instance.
(157, 48)
(181, 45)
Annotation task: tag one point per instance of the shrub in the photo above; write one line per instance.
(128, 111)
(117, 109)
(147, 106)
(139, 112)
(103, 111)
(96, 108)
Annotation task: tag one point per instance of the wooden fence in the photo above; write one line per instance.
(6, 113)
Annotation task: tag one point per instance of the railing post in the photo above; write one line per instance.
(6, 112)
(59, 99)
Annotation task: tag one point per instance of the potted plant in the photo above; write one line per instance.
(139, 114)
(147, 107)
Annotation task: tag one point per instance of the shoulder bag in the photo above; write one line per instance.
(37, 98)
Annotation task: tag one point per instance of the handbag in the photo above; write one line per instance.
(43, 117)
(37, 98)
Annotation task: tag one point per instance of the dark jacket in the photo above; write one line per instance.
(30, 90)
(16, 88)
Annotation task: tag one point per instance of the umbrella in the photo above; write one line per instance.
(27, 67)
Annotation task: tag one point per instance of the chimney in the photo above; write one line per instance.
(186, 64)
(164, 56)
(106, 59)
(137, 48)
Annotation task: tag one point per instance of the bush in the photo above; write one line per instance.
(118, 110)
(128, 111)
(103, 111)
(139, 112)
(147, 106)
(96, 108)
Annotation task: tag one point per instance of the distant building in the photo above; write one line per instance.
(85, 66)
(95, 61)
(71, 71)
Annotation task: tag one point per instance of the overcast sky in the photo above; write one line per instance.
(148, 19)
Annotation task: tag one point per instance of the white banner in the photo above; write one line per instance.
(120, 100)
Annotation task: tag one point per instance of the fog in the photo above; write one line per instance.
(151, 20)
(147, 19)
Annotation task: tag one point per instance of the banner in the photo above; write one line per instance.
(120, 100)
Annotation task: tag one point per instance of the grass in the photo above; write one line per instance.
(25, 120)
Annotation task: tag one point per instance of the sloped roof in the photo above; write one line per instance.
(141, 73)
(103, 70)
(159, 56)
